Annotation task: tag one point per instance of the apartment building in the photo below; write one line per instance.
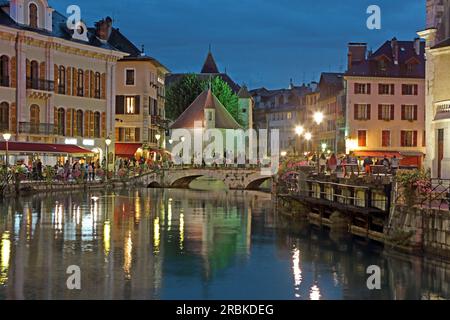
(386, 101)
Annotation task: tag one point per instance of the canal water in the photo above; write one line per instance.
(186, 244)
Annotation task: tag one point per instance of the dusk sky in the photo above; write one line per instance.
(259, 42)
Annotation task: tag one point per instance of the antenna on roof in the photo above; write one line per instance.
(142, 50)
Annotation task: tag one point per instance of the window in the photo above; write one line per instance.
(128, 134)
(408, 138)
(97, 85)
(130, 104)
(386, 89)
(410, 89)
(79, 124)
(4, 71)
(33, 15)
(210, 116)
(409, 112)
(362, 138)
(97, 125)
(289, 115)
(80, 88)
(61, 80)
(385, 138)
(61, 116)
(362, 111)
(34, 118)
(386, 112)
(129, 77)
(362, 88)
(382, 65)
(4, 116)
(34, 75)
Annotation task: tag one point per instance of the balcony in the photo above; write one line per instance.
(159, 122)
(4, 127)
(442, 111)
(37, 128)
(40, 84)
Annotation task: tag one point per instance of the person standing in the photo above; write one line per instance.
(332, 163)
(395, 164)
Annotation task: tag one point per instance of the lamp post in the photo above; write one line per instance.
(308, 137)
(157, 137)
(108, 143)
(7, 137)
(318, 119)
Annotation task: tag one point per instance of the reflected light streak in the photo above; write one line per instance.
(156, 235)
(181, 231)
(137, 209)
(297, 272)
(107, 236)
(4, 257)
(128, 248)
(314, 293)
(169, 215)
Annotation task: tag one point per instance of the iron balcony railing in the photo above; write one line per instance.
(4, 127)
(40, 84)
(37, 128)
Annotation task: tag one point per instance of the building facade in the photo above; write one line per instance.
(140, 105)
(437, 36)
(56, 84)
(386, 102)
(284, 110)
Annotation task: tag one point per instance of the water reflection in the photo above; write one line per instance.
(176, 244)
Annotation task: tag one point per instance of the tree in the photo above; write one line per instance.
(180, 95)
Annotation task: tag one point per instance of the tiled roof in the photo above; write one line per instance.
(210, 65)
(406, 52)
(243, 93)
(196, 113)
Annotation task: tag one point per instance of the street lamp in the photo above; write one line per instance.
(308, 137)
(299, 130)
(318, 117)
(7, 137)
(108, 143)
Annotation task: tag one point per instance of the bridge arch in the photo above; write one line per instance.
(255, 184)
(184, 182)
(154, 185)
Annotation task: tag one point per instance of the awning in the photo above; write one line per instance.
(127, 150)
(43, 148)
(378, 154)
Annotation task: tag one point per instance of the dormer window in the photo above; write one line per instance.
(33, 14)
(382, 65)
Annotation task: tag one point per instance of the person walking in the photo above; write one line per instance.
(395, 164)
(322, 163)
(332, 163)
(368, 162)
(90, 169)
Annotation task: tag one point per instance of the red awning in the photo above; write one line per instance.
(378, 154)
(43, 148)
(127, 150)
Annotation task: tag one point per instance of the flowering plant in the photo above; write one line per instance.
(100, 173)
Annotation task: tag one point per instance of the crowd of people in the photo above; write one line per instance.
(349, 163)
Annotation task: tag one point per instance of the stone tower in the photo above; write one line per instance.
(245, 108)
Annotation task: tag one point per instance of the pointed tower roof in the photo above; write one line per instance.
(196, 112)
(210, 65)
(243, 93)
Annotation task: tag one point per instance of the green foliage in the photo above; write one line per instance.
(180, 95)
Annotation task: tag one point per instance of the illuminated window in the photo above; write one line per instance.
(130, 104)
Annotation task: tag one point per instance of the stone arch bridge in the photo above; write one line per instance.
(235, 179)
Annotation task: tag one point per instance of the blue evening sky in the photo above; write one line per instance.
(259, 42)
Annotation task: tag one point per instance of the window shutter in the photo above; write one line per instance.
(415, 139)
(137, 134)
(28, 69)
(380, 88)
(86, 83)
(403, 111)
(120, 104)
(415, 112)
(103, 124)
(69, 80)
(13, 116)
(415, 89)
(137, 105)
(13, 72)
(68, 122)
(86, 124)
(369, 112)
(55, 77)
(356, 112)
(92, 83)
(91, 124)
(55, 119)
(75, 82)
(380, 112)
(43, 71)
(356, 88)
(402, 138)
(103, 95)
(392, 112)
(368, 88)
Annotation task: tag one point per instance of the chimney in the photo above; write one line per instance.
(103, 29)
(291, 84)
(394, 46)
(356, 54)
(417, 46)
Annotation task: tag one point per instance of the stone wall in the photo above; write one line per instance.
(426, 230)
